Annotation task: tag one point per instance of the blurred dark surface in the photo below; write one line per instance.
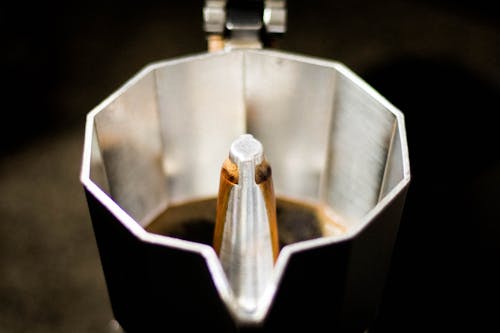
(436, 61)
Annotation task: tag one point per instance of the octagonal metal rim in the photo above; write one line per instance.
(207, 251)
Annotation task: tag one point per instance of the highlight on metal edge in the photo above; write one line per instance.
(246, 236)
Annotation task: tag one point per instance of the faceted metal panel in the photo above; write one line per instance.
(160, 140)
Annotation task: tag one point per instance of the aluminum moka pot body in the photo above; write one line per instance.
(160, 140)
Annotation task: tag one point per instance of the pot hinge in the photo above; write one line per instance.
(231, 24)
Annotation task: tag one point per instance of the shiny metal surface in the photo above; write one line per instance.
(160, 139)
(246, 252)
(301, 97)
(214, 16)
(129, 141)
(360, 134)
(275, 16)
(243, 24)
(201, 110)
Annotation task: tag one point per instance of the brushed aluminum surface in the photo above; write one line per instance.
(160, 140)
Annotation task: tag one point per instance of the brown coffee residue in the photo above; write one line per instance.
(195, 221)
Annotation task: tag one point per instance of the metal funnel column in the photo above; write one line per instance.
(246, 237)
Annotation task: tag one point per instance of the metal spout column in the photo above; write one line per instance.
(246, 233)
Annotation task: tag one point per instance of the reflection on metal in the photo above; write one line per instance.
(242, 24)
(332, 142)
(245, 235)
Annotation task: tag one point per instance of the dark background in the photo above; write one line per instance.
(438, 61)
